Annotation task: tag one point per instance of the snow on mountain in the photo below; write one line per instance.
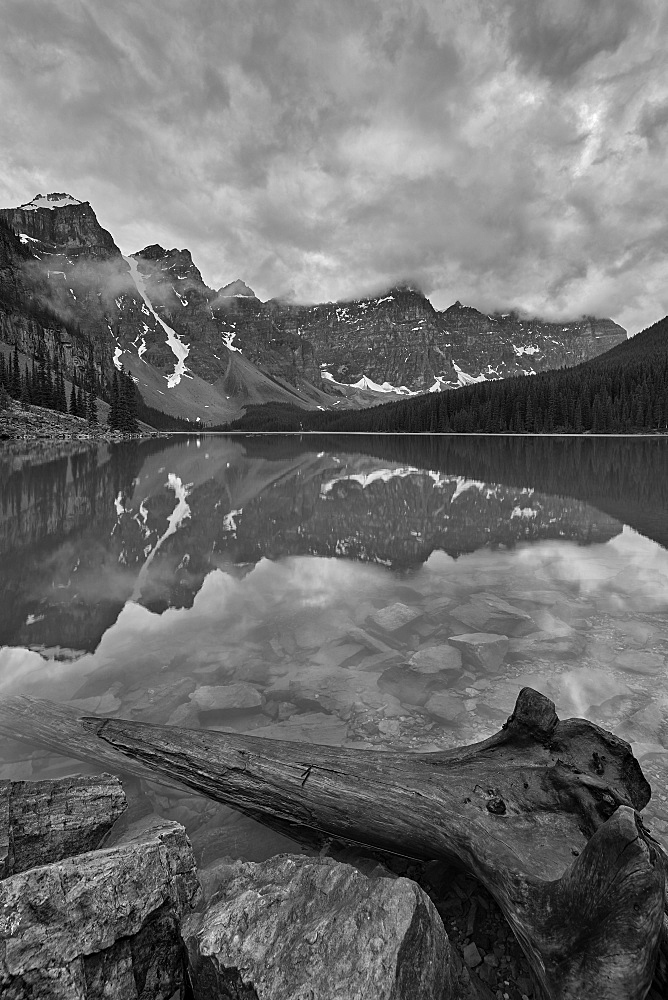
(366, 383)
(54, 200)
(178, 348)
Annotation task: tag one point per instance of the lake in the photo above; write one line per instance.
(374, 592)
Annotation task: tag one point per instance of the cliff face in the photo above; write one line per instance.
(204, 354)
(62, 223)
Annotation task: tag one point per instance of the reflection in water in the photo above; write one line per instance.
(296, 590)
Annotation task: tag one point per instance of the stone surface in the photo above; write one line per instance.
(640, 662)
(101, 925)
(311, 727)
(395, 616)
(445, 706)
(489, 613)
(295, 928)
(240, 695)
(185, 715)
(482, 649)
(471, 955)
(434, 659)
(46, 821)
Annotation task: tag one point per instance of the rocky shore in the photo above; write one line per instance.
(37, 423)
(95, 902)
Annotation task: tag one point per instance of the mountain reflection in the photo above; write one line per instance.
(85, 529)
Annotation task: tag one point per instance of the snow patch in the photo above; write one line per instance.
(383, 475)
(228, 339)
(178, 348)
(116, 358)
(463, 485)
(49, 201)
(24, 238)
(526, 512)
(174, 521)
(465, 379)
(229, 524)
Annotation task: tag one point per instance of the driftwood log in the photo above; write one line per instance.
(544, 813)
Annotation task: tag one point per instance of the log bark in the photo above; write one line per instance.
(543, 813)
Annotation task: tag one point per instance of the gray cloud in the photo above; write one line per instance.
(505, 154)
(558, 39)
(653, 121)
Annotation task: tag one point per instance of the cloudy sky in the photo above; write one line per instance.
(501, 152)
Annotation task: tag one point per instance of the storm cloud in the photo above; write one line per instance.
(507, 153)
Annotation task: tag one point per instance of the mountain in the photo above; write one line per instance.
(622, 391)
(206, 354)
(236, 288)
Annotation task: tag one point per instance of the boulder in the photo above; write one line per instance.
(445, 706)
(434, 659)
(45, 821)
(395, 616)
(310, 727)
(488, 613)
(228, 696)
(102, 924)
(482, 649)
(294, 928)
(640, 662)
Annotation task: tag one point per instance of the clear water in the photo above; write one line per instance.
(283, 586)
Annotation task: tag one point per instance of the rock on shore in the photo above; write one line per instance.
(46, 821)
(104, 924)
(294, 928)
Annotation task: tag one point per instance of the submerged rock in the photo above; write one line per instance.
(482, 649)
(445, 706)
(46, 821)
(434, 659)
(229, 696)
(101, 924)
(296, 927)
(395, 616)
(310, 727)
(489, 613)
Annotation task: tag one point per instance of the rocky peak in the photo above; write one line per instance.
(237, 288)
(154, 252)
(63, 224)
(172, 263)
(457, 310)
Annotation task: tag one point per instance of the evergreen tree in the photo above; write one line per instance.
(113, 419)
(26, 388)
(91, 389)
(15, 383)
(74, 409)
(91, 407)
(128, 404)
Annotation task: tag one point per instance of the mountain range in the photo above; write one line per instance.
(205, 354)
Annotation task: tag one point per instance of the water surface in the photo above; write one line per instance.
(293, 588)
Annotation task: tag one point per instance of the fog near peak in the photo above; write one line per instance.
(504, 154)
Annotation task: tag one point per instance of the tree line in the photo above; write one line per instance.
(43, 384)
